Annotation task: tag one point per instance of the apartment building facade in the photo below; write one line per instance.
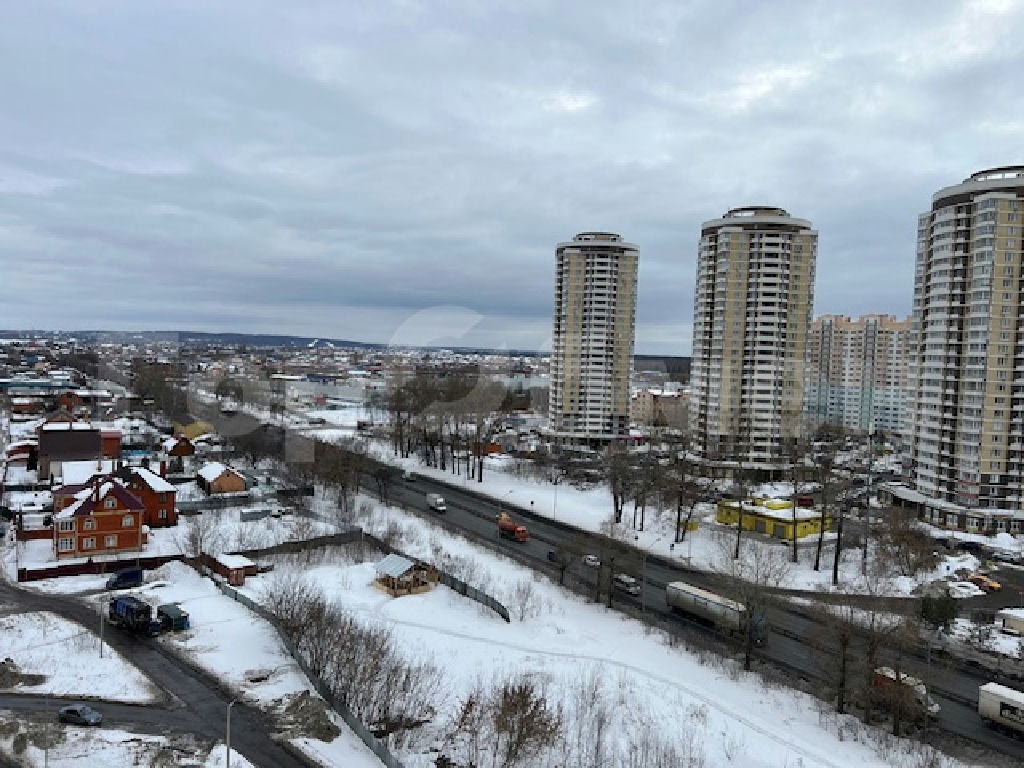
(752, 316)
(592, 344)
(967, 346)
(857, 374)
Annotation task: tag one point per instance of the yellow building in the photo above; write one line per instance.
(773, 517)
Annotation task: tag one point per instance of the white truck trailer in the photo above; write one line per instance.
(724, 613)
(1002, 707)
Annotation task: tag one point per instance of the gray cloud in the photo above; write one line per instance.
(340, 171)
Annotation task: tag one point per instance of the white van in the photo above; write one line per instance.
(626, 583)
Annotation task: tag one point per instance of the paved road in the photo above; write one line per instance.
(793, 646)
(196, 702)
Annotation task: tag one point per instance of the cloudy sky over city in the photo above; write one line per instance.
(402, 171)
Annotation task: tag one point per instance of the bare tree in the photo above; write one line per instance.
(751, 580)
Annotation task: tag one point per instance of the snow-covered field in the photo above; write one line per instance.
(69, 657)
(596, 665)
(77, 747)
(245, 652)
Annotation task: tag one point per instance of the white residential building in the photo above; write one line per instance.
(858, 377)
(967, 351)
(752, 313)
(592, 345)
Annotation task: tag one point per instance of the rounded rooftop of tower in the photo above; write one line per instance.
(757, 217)
(1004, 178)
(598, 239)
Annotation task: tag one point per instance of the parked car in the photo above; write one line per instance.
(986, 583)
(79, 714)
(592, 560)
(126, 577)
(1006, 556)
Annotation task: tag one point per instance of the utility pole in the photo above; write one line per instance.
(867, 505)
(103, 600)
(227, 736)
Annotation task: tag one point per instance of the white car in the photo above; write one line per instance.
(963, 589)
(592, 560)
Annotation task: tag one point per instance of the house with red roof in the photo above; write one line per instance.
(101, 518)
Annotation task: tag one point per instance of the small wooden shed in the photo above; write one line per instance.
(399, 576)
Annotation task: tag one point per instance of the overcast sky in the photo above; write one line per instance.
(402, 171)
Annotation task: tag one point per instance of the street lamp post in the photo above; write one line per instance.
(227, 735)
(103, 600)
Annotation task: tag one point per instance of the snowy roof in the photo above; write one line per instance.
(235, 561)
(1017, 613)
(68, 426)
(213, 470)
(78, 472)
(153, 480)
(87, 502)
(394, 565)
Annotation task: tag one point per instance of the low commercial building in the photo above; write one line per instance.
(773, 517)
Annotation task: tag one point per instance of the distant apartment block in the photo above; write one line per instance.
(967, 348)
(751, 319)
(592, 344)
(857, 375)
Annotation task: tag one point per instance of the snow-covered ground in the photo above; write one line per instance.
(589, 659)
(77, 747)
(245, 652)
(69, 657)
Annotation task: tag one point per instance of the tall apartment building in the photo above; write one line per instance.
(967, 347)
(857, 375)
(751, 317)
(595, 322)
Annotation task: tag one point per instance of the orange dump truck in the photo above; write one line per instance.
(510, 530)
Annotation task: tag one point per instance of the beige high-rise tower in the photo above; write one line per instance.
(967, 347)
(751, 317)
(592, 345)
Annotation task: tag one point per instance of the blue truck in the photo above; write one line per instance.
(132, 614)
(126, 577)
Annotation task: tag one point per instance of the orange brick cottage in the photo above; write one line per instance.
(104, 518)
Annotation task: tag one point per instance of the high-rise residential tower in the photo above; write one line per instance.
(967, 440)
(857, 373)
(751, 317)
(592, 346)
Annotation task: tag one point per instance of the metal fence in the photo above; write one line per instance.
(474, 594)
(375, 745)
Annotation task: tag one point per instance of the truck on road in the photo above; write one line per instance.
(134, 615)
(720, 612)
(1002, 708)
(890, 691)
(435, 501)
(508, 529)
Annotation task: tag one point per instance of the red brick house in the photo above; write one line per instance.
(110, 444)
(69, 401)
(157, 497)
(103, 518)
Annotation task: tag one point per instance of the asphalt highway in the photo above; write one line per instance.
(195, 701)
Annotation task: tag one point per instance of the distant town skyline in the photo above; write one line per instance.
(400, 172)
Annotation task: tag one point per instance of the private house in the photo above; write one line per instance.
(64, 441)
(156, 494)
(110, 443)
(215, 478)
(178, 446)
(102, 518)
